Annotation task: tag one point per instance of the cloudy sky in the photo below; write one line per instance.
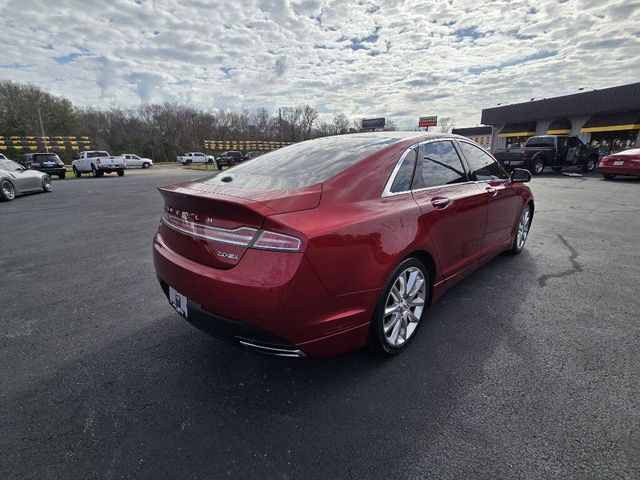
(394, 58)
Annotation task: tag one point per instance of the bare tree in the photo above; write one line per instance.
(446, 124)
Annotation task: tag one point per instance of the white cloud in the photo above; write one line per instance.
(396, 58)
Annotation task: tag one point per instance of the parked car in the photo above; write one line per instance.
(625, 162)
(555, 151)
(97, 162)
(132, 160)
(2, 157)
(252, 154)
(16, 180)
(48, 163)
(195, 158)
(330, 244)
(229, 159)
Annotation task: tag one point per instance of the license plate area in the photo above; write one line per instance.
(618, 162)
(178, 302)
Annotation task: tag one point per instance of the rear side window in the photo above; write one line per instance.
(482, 166)
(438, 164)
(96, 154)
(402, 182)
(540, 142)
(45, 157)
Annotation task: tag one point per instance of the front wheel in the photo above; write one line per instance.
(121, 173)
(7, 191)
(145, 165)
(61, 176)
(77, 172)
(400, 308)
(537, 167)
(46, 184)
(523, 230)
(590, 166)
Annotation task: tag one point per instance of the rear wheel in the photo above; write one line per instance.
(46, 184)
(7, 192)
(400, 309)
(121, 173)
(523, 230)
(608, 176)
(77, 172)
(590, 166)
(538, 166)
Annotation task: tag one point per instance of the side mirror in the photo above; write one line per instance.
(520, 175)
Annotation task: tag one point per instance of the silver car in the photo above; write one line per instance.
(16, 180)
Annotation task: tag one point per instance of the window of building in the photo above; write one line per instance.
(482, 166)
(438, 164)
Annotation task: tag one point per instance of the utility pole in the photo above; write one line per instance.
(46, 144)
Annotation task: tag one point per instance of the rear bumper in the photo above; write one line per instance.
(270, 299)
(619, 169)
(51, 170)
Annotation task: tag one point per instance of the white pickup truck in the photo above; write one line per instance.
(98, 162)
(196, 157)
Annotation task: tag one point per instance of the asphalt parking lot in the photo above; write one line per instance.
(528, 369)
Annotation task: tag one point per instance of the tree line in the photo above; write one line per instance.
(158, 131)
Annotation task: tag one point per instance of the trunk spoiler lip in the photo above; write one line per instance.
(261, 206)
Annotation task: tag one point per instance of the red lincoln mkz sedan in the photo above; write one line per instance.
(332, 244)
(625, 162)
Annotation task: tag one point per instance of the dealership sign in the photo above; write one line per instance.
(430, 121)
(373, 122)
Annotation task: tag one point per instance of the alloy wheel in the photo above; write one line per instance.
(8, 192)
(523, 228)
(46, 184)
(404, 306)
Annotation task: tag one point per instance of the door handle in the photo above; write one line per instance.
(440, 202)
(492, 191)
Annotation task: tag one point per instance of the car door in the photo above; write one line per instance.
(503, 203)
(27, 180)
(134, 161)
(453, 209)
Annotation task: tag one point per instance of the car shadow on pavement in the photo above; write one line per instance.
(171, 402)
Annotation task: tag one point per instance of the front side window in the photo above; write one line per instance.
(482, 166)
(438, 164)
(402, 182)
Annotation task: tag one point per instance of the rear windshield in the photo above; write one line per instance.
(540, 142)
(302, 164)
(97, 154)
(631, 151)
(45, 157)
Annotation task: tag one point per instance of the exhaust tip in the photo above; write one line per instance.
(278, 351)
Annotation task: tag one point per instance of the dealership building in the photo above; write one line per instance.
(607, 119)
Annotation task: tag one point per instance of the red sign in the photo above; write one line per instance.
(431, 121)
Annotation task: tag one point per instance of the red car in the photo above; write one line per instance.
(335, 243)
(625, 162)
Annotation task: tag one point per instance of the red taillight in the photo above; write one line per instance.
(268, 240)
(240, 236)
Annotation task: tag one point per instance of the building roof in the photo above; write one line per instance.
(466, 131)
(614, 99)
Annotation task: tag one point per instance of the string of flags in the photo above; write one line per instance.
(243, 145)
(37, 144)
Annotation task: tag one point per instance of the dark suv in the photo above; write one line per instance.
(229, 159)
(45, 162)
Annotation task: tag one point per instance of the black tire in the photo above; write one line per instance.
(537, 166)
(77, 172)
(218, 166)
(517, 246)
(121, 173)
(62, 176)
(188, 162)
(7, 191)
(145, 165)
(94, 171)
(608, 176)
(591, 165)
(378, 341)
(46, 184)
(209, 162)
(556, 169)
